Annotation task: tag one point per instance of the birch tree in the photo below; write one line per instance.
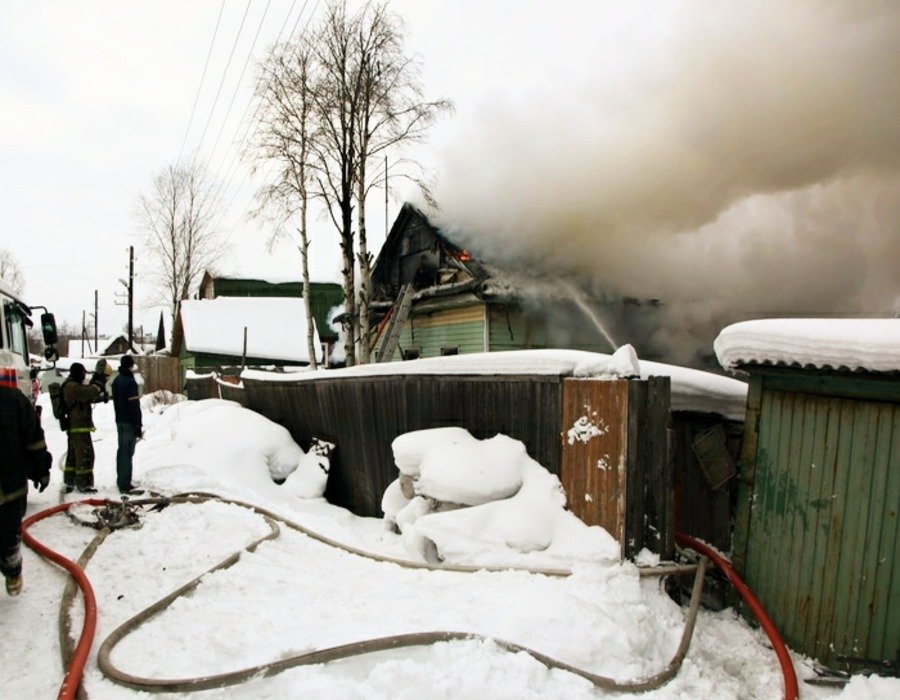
(392, 113)
(284, 132)
(176, 218)
(365, 102)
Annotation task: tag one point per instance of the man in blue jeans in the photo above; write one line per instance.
(127, 402)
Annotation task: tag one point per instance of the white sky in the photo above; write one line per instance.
(97, 97)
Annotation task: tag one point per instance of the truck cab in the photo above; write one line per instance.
(15, 319)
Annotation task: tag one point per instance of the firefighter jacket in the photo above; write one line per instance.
(78, 398)
(23, 453)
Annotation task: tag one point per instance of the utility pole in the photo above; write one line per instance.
(130, 295)
(385, 197)
(96, 324)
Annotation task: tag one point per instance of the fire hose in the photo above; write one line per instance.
(79, 654)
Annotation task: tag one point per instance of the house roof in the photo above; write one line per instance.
(276, 327)
(846, 344)
(324, 296)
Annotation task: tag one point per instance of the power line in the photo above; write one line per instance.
(233, 170)
(224, 73)
(200, 86)
(237, 87)
(231, 163)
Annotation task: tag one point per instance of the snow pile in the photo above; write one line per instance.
(622, 364)
(222, 438)
(310, 477)
(867, 344)
(159, 401)
(513, 502)
(704, 392)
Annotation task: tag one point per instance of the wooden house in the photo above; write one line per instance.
(238, 332)
(816, 527)
(461, 304)
(324, 297)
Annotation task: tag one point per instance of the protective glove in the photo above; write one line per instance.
(39, 466)
(42, 483)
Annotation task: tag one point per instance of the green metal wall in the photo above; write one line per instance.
(816, 535)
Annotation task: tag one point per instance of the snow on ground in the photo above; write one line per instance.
(871, 344)
(295, 594)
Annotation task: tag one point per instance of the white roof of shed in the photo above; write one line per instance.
(854, 344)
(276, 327)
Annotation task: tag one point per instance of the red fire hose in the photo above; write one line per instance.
(791, 690)
(75, 670)
(72, 678)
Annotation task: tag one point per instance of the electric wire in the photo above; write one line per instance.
(235, 160)
(222, 80)
(240, 79)
(200, 86)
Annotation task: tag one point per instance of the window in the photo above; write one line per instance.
(15, 330)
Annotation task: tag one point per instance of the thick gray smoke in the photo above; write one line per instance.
(751, 167)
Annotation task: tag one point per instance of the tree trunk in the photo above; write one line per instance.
(365, 294)
(350, 323)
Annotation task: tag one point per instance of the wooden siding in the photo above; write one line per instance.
(817, 537)
(558, 326)
(160, 372)
(461, 327)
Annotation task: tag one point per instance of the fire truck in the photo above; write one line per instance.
(15, 319)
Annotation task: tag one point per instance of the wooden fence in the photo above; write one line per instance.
(363, 415)
(160, 373)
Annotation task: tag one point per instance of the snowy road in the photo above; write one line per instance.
(295, 594)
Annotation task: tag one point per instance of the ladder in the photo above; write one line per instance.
(399, 314)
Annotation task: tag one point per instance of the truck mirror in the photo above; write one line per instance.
(50, 354)
(48, 327)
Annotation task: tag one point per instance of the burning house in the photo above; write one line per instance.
(433, 297)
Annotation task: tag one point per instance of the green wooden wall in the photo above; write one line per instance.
(816, 534)
(462, 328)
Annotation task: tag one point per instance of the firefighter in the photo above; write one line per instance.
(78, 397)
(23, 457)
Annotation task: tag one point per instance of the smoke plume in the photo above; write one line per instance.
(748, 165)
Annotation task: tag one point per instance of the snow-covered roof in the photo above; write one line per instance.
(276, 327)
(854, 344)
(692, 390)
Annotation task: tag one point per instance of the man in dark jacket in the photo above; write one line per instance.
(127, 402)
(78, 397)
(23, 457)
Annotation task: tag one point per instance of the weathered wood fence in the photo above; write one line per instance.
(363, 415)
(160, 373)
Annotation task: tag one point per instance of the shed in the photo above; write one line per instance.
(210, 333)
(324, 296)
(816, 529)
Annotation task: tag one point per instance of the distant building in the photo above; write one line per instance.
(234, 332)
(324, 297)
